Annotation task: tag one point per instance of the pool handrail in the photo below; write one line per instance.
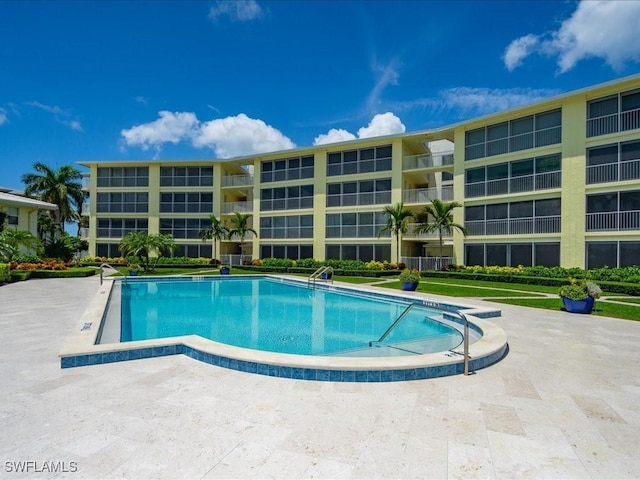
(325, 270)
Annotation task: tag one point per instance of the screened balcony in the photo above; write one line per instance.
(237, 180)
(239, 207)
(440, 159)
(426, 195)
(514, 226)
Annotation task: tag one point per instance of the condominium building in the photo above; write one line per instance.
(20, 212)
(552, 183)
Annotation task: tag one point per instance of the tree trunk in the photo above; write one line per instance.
(440, 238)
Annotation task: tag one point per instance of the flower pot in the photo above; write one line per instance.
(584, 305)
(409, 286)
(326, 276)
(224, 270)
(133, 273)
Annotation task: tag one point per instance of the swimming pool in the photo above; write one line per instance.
(284, 317)
(97, 337)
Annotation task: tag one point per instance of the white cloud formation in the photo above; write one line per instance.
(380, 125)
(227, 137)
(236, 10)
(61, 116)
(334, 135)
(169, 128)
(518, 50)
(604, 29)
(141, 99)
(240, 135)
(3, 116)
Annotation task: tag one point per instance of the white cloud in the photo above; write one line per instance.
(604, 29)
(480, 101)
(518, 50)
(3, 116)
(60, 115)
(240, 135)
(141, 99)
(388, 75)
(237, 10)
(334, 135)
(380, 125)
(169, 128)
(227, 137)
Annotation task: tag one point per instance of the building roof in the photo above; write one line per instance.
(18, 201)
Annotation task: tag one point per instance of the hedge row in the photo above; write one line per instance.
(611, 287)
(309, 271)
(70, 273)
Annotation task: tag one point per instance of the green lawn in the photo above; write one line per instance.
(605, 309)
(452, 290)
(627, 300)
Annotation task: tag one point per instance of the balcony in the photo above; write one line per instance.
(412, 235)
(86, 209)
(613, 221)
(86, 181)
(239, 207)
(613, 172)
(84, 233)
(237, 180)
(503, 186)
(514, 226)
(616, 122)
(514, 143)
(295, 203)
(426, 195)
(440, 159)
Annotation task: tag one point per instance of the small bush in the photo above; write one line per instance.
(20, 275)
(69, 273)
(26, 258)
(5, 274)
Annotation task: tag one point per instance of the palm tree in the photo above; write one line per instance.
(48, 227)
(438, 217)
(217, 231)
(62, 187)
(11, 241)
(397, 217)
(143, 245)
(240, 227)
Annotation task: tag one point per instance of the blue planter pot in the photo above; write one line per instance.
(578, 306)
(133, 273)
(224, 271)
(409, 286)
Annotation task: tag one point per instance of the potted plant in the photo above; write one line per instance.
(409, 279)
(225, 270)
(579, 296)
(133, 269)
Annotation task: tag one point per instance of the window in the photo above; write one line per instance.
(617, 113)
(287, 169)
(612, 254)
(613, 211)
(123, 176)
(193, 251)
(613, 163)
(118, 202)
(119, 227)
(286, 198)
(519, 134)
(186, 176)
(364, 160)
(365, 253)
(365, 192)
(294, 226)
(12, 216)
(186, 202)
(515, 218)
(513, 254)
(355, 225)
(293, 252)
(184, 227)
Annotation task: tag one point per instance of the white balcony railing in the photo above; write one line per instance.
(84, 233)
(525, 183)
(86, 181)
(86, 209)
(412, 235)
(613, 172)
(236, 260)
(514, 226)
(239, 207)
(616, 122)
(430, 160)
(613, 221)
(237, 180)
(354, 199)
(426, 263)
(425, 195)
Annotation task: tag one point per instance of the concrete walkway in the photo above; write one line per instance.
(563, 404)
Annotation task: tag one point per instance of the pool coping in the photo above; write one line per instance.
(81, 348)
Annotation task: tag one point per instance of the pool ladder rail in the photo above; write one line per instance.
(323, 273)
(102, 267)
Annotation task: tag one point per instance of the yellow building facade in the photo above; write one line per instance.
(552, 183)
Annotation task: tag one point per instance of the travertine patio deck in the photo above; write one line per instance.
(562, 404)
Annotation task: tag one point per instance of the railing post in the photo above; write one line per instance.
(466, 342)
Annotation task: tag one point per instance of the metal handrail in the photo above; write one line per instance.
(394, 324)
(465, 339)
(102, 271)
(327, 270)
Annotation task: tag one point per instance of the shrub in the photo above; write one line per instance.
(5, 274)
(26, 258)
(19, 275)
(69, 273)
(409, 276)
(577, 290)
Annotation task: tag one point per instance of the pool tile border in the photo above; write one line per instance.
(81, 350)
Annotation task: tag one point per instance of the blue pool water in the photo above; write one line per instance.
(272, 315)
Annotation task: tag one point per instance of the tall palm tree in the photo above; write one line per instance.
(397, 217)
(217, 231)
(143, 245)
(11, 241)
(62, 187)
(438, 217)
(48, 228)
(239, 226)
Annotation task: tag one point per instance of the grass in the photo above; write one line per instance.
(601, 308)
(627, 300)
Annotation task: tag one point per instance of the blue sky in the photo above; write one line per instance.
(141, 80)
